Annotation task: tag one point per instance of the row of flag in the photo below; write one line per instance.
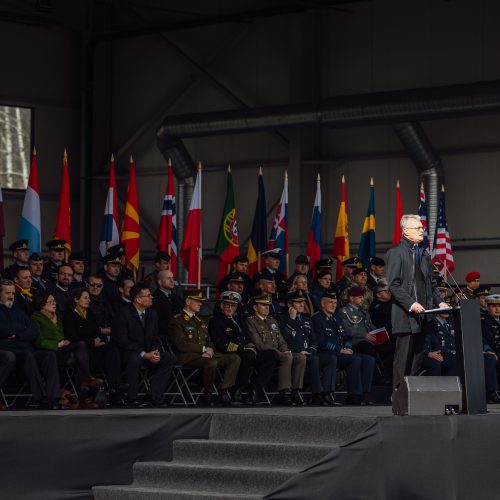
(228, 245)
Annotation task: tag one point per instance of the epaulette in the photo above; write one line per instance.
(176, 316)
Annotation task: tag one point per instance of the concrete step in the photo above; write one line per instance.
(224, 479)
(147, 493)
(295, 429)
(249, 454)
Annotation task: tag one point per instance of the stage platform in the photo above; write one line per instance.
(248, 453)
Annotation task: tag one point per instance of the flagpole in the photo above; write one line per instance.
(199, 268)
(287, 261)
(199, 248)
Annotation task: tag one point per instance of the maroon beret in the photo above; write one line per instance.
(473, 275)
(355, 291)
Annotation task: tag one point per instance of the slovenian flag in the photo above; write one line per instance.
(30, 227)
(313, 250)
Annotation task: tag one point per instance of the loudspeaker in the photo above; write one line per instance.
(430, 396)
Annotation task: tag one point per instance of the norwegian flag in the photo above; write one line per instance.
(422, 211)
(279, 232)
(442, 254)
(166, 239)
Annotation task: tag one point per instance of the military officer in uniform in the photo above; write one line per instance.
(229, 335)
(333, 341)
(348, 266)
(359, 278)
(188, 334)
(298, 332)
(272, 263)
(266, 285)
(377, 268)
(440, 354)
(111, 282)
(35, 265)
(117, 253)
(161, 263)
(20, 254)
(481, 294)
(57, 249)
(301, 268)
(265, 334)
(490, 327)
(240, 267)
(473, 282)
(322, 285)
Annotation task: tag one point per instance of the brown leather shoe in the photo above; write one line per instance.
(91, 383)
(87, 404)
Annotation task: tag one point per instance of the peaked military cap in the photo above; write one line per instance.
(482, 292)
(231, 297)
(195, 294)
(296, 296)
(324, 264)
(351, 262)
(161, 255)
(377, 261)
(116, 249)
(35, 257)
(236, 277)
(112, 259)
(274, 253)
(329, 295)
(19, 245)
(56, 244)
(261, 299)
(359, 270)
(493, 299)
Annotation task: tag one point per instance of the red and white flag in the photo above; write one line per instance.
(191, 241)
(442, 254)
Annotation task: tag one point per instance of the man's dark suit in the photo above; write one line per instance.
(132, 338)
(409, 275)
(166, 307)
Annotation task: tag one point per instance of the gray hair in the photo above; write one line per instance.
(406, 218)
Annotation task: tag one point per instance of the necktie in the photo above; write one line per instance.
(142, 317)
(417, 253)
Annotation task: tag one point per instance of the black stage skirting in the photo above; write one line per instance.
(410, 458)
(49, 457)
(61, 456)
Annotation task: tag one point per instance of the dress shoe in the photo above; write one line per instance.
(284, 399)
(139, 403)
(366, 401)
(237, 397)
(318, 400)
(224, 398)
(205, 399)
(353, 400)
(116, 399)
(91, 383)
(297, 398)
(154, 402)
(492, 397)
(329, 398)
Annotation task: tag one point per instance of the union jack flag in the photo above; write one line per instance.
(442, 254)
(422, 211)
(166, 239)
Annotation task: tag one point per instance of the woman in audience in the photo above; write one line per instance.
(51, 337)
(300, 282)
(322, 285)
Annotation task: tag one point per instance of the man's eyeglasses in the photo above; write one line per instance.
(419, 228)
(95, 285)
(145, 296)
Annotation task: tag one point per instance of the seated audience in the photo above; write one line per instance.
(300, 282)
(57, 250)
(25, 293)
(165, 301)
(61, 287)
(161, 263)
(35, 265)
(490, 326)
(322, 285)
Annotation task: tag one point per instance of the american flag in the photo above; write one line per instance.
(442, 254)
(422, 211)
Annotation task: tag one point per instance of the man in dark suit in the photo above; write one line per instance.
(166, 302)
(413, 288)
(135, 332)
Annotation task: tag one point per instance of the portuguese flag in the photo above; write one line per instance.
(228, 246)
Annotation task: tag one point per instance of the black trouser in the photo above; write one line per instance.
(159, 373)
(36, 364)
(408, 357)
(384, 352)
(7, 362)
(81, 358)
(447, 367)
(106, 360)
(256, 368)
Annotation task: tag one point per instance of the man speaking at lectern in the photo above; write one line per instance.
(410, 279)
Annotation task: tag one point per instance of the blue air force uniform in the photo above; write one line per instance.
(441, 337)
(490, 328)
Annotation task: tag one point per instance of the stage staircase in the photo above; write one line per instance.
(246, 457)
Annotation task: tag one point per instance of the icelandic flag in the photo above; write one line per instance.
(279, 232)
(166, 239)
(30, 227)
(313, 250)
(422, 211)
(109, 230)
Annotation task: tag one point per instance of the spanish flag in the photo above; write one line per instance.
(341, 241)
(62, 230)
(367, 243)
(258, 238)
(130, 224)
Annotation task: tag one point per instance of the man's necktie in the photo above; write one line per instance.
(142, 317)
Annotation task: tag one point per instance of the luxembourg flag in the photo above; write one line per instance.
(30, 227)
(314, 242)
(191, 242)
(109, 230)
(279, 232)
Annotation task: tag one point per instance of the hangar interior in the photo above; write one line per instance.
(323, 80)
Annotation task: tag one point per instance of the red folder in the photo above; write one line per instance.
(381, 336)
